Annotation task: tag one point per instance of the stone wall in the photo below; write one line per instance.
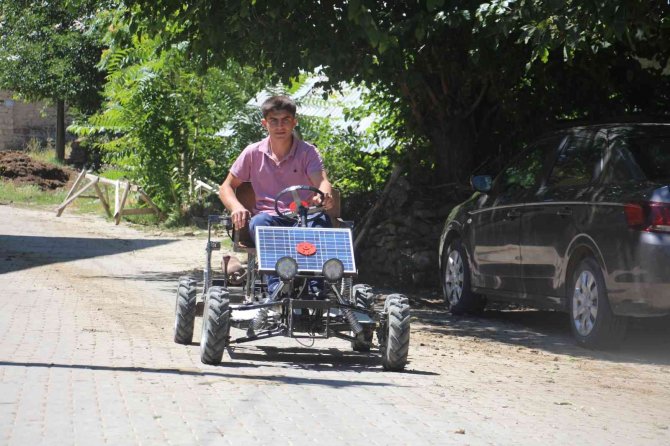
(20, 122)
(401, 246)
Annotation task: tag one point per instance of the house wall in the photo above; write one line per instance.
(20, 122)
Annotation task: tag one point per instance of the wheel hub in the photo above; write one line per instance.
(453, 277)
(585, 303)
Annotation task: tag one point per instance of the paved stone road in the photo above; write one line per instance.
(86, 357)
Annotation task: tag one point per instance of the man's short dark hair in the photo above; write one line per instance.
(278, 103)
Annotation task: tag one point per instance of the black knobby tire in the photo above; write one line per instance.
(184, 318)
(215, 326)
(456, 288)
(592, 322)
(395, 340)
(362, 296)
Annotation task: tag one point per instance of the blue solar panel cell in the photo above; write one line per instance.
(273, 243)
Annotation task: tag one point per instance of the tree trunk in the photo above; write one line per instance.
(454, 144)
(60, 130)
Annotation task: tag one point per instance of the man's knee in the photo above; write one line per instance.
(261, 219)
(258, 220)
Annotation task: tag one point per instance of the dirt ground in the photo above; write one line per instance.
(506, 377)
(23, 170)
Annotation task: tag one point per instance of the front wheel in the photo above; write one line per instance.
(591, 319)
(394, 342)
(184, 312)
(215, 326)
(458, 295)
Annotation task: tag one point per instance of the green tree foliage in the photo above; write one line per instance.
(161, 112)
(590, 60)
(460, 75)
(49, 50)
(350, 168)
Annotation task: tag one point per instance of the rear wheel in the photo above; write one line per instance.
(458, 295)
(215, 326)
(591, 319)
(394, 342)
(184, 318)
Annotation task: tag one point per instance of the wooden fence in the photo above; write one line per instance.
(121, 191)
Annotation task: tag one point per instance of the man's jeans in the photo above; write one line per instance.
(262, 219)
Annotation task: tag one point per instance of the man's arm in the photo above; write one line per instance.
(238, 212)
(320, 180)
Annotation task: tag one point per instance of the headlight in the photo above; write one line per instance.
(286, 268)
(333, 270)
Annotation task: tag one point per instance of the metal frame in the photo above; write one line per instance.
(334, 324)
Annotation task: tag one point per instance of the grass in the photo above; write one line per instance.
(29, 195)
(46, 154)
(114, 174)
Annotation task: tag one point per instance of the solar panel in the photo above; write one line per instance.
(273, 243)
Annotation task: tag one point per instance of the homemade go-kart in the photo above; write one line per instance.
(315, 299)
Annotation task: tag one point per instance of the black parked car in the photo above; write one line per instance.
(579, 222)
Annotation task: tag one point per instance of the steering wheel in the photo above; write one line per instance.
(299, 208)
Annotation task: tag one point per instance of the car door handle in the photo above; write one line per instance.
(513, 214)
(565, 212)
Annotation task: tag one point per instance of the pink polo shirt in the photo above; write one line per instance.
(268, 178)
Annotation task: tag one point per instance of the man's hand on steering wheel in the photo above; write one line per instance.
(326, 201)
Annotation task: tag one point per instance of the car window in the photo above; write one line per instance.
(641, 157)
(621, 165)
(578, 163)
(524, 172)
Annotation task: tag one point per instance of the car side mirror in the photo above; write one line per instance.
(481, 183)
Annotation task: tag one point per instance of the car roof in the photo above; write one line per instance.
(609, 126)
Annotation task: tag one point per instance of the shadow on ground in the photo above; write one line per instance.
(154, 276)
(326, 359)
(647, 341)
(20, 252)
(296, 380)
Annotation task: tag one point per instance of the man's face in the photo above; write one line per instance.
(280, 124)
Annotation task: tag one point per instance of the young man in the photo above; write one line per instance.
(273, 164)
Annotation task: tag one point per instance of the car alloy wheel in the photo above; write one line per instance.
(585, 303)
(453, 277)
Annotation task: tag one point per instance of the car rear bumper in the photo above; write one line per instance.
(639, 283)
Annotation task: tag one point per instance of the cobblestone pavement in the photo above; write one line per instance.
(86, 357)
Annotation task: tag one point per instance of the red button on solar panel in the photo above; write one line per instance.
(306, 249)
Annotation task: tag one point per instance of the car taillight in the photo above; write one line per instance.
(649, 216)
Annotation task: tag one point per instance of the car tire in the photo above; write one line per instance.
(215, 326)
(362, 297)
(394, 342)
(591, 319)
(185, 306)
(458, 295)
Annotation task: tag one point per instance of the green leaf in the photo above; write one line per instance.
(544, 55)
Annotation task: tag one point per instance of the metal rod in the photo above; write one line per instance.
(261, 335)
